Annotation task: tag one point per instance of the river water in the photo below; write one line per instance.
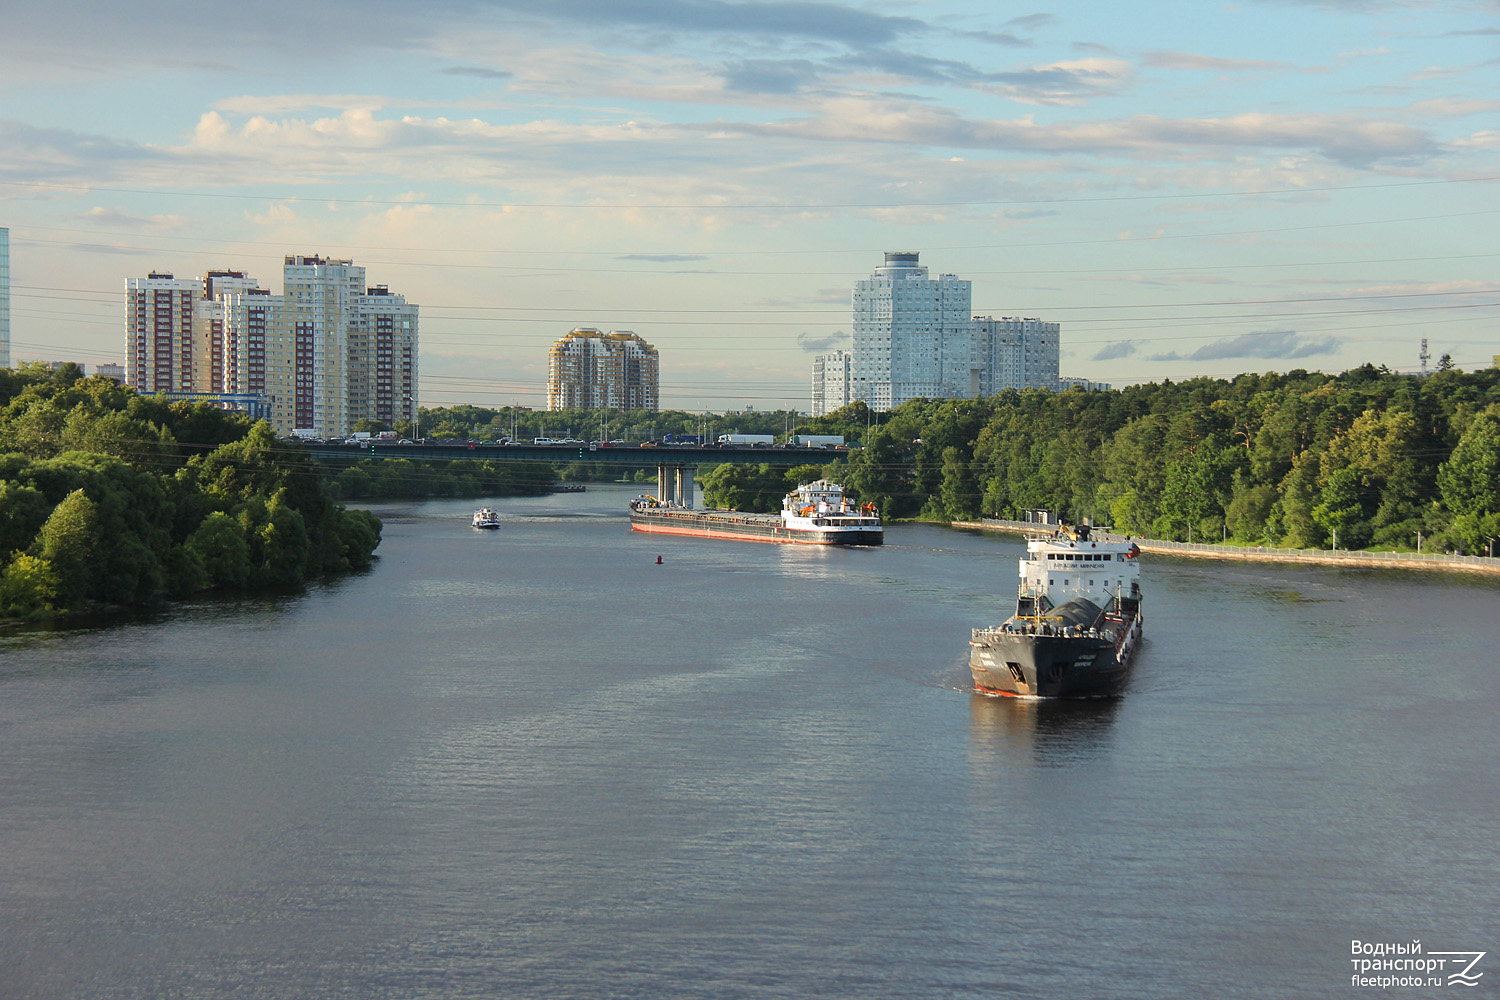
(535, 763)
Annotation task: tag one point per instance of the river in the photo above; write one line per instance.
(536, 763)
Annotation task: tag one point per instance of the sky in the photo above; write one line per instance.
(1189, 189)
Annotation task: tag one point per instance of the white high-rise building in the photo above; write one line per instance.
(1016, 353)
(912, 335)
(4, 297)
(831, 382)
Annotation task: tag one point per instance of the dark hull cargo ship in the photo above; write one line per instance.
(1077, 623)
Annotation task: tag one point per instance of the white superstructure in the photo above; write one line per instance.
(822, 506)
(1073, 564)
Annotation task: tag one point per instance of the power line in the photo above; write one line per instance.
(428, 310)
(524, 268)
(746, 206)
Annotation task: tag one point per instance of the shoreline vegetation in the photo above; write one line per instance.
(1369, 459)
(111, 500)
(378, 479)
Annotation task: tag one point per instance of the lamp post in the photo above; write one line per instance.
(416, 417)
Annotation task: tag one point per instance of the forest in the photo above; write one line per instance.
(467, 422)
(409, 479)
(110, 499)
(1365, 459)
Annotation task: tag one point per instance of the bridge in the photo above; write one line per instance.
(674, 463)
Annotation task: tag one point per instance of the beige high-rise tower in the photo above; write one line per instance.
(589, 369)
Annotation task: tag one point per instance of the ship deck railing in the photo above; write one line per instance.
(1065, 631)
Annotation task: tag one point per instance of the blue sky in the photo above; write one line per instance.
(1188, 188)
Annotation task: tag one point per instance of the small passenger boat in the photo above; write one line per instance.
(484, 517)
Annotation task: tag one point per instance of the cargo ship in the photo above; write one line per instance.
(1077, 624)
(813, 514)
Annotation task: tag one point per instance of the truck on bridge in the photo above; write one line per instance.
(747, 439)
(818, 440)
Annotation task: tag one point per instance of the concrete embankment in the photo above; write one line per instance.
(1237, 553)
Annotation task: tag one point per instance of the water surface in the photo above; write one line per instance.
(534, 763)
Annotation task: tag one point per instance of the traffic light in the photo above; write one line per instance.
(372, 449)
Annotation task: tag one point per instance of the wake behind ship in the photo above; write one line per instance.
(814, 514)
(1077, 623)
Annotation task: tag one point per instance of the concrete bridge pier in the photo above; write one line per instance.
(674, 484)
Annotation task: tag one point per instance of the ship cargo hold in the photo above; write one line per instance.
(814, 514)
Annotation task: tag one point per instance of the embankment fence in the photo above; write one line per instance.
(1248, 553)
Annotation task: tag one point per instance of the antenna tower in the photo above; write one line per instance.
(1424, 356)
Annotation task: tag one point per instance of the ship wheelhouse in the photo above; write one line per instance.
(1072, 563)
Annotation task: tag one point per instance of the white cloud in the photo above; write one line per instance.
(101, 216)
(1264, 345)
(1212, 64)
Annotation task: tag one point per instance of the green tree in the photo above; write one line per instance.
(28, 588)
(23, 511)
(882, 473)
(358, 534)
(68, 543)
(957, 498)
(184, 573)
(278, 542)
(220, 548)
(1469, 482)
(1339, 510)
(1249, 509)
(1294, 510)
(756, 488)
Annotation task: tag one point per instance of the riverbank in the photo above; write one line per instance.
(1344, 558)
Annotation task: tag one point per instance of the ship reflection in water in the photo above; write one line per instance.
(1051, 732)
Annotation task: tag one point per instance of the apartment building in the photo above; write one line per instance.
(590, 369)
(831, 382)
(912, 335)
(327, 352)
